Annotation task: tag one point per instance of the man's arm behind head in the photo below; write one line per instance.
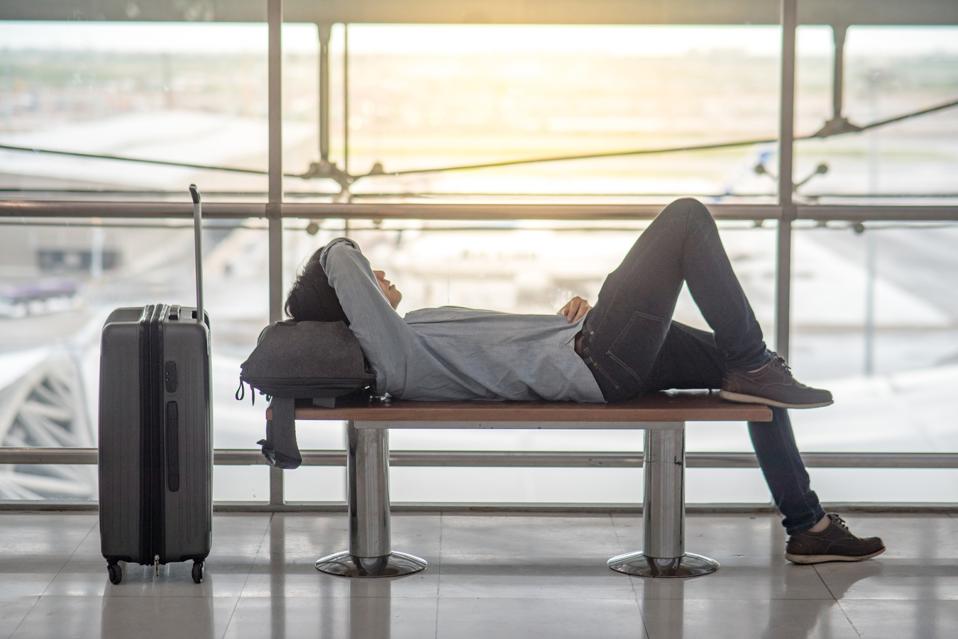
(341, 268)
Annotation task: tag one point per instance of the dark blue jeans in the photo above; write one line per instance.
(632, 346)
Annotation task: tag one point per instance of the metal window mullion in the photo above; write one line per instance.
(783, 253)
(346, 97)
(323, 34)
(839, 32)
(274, 208)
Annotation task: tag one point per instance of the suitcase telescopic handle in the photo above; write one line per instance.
(198, 245)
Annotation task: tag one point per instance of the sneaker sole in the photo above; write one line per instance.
(818, 559)
(755, 399)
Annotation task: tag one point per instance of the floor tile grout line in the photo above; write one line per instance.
(850, 622)
(239, 597)
(902, 599)
(824, 583)
(619, 539)
(70, 557)
(45, 588)
(259, 548)
(24, 617)
(635, 593)
(638, 604)
(438, 577)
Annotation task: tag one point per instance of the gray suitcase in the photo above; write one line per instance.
(155, 447)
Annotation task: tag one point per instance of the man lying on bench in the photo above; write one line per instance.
(625, 346)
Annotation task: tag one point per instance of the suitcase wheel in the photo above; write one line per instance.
(116, 573)
(197, 571)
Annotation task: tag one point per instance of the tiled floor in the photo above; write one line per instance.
(495, 576)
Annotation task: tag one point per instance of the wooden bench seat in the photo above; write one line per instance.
(662, 415)
(684, 406)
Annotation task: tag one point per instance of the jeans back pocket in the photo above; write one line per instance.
(636, 346)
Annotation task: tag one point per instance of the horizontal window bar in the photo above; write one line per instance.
(884, 212)
(523, 459)
(149, 210)
(294, 210)
(511, 507)
(506, 212)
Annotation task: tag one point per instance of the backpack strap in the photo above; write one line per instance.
(280, 448)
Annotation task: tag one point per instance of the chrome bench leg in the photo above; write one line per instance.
(370, 553)
(663, 512)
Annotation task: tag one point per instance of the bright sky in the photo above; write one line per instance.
(613, 40)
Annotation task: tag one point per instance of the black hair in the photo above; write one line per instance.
(312, 298)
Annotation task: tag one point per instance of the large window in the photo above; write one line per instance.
(125, 112)
(888, 73)
(168, 93)
(58, 283)
(426, 98)
(159, 92)
(876, 321)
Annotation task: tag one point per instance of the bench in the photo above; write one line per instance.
(662, 415)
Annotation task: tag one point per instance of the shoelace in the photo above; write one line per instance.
(837, 520)
(781, 363)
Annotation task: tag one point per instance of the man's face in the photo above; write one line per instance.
(389, 289)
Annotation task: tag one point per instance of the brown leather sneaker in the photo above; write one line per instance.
(835, 543)
(772, 384)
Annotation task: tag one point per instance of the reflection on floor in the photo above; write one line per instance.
(497, 576)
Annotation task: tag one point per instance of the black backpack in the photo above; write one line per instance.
(317, 361)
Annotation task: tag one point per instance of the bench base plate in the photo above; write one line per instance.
(639, 565)
(395, 564)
